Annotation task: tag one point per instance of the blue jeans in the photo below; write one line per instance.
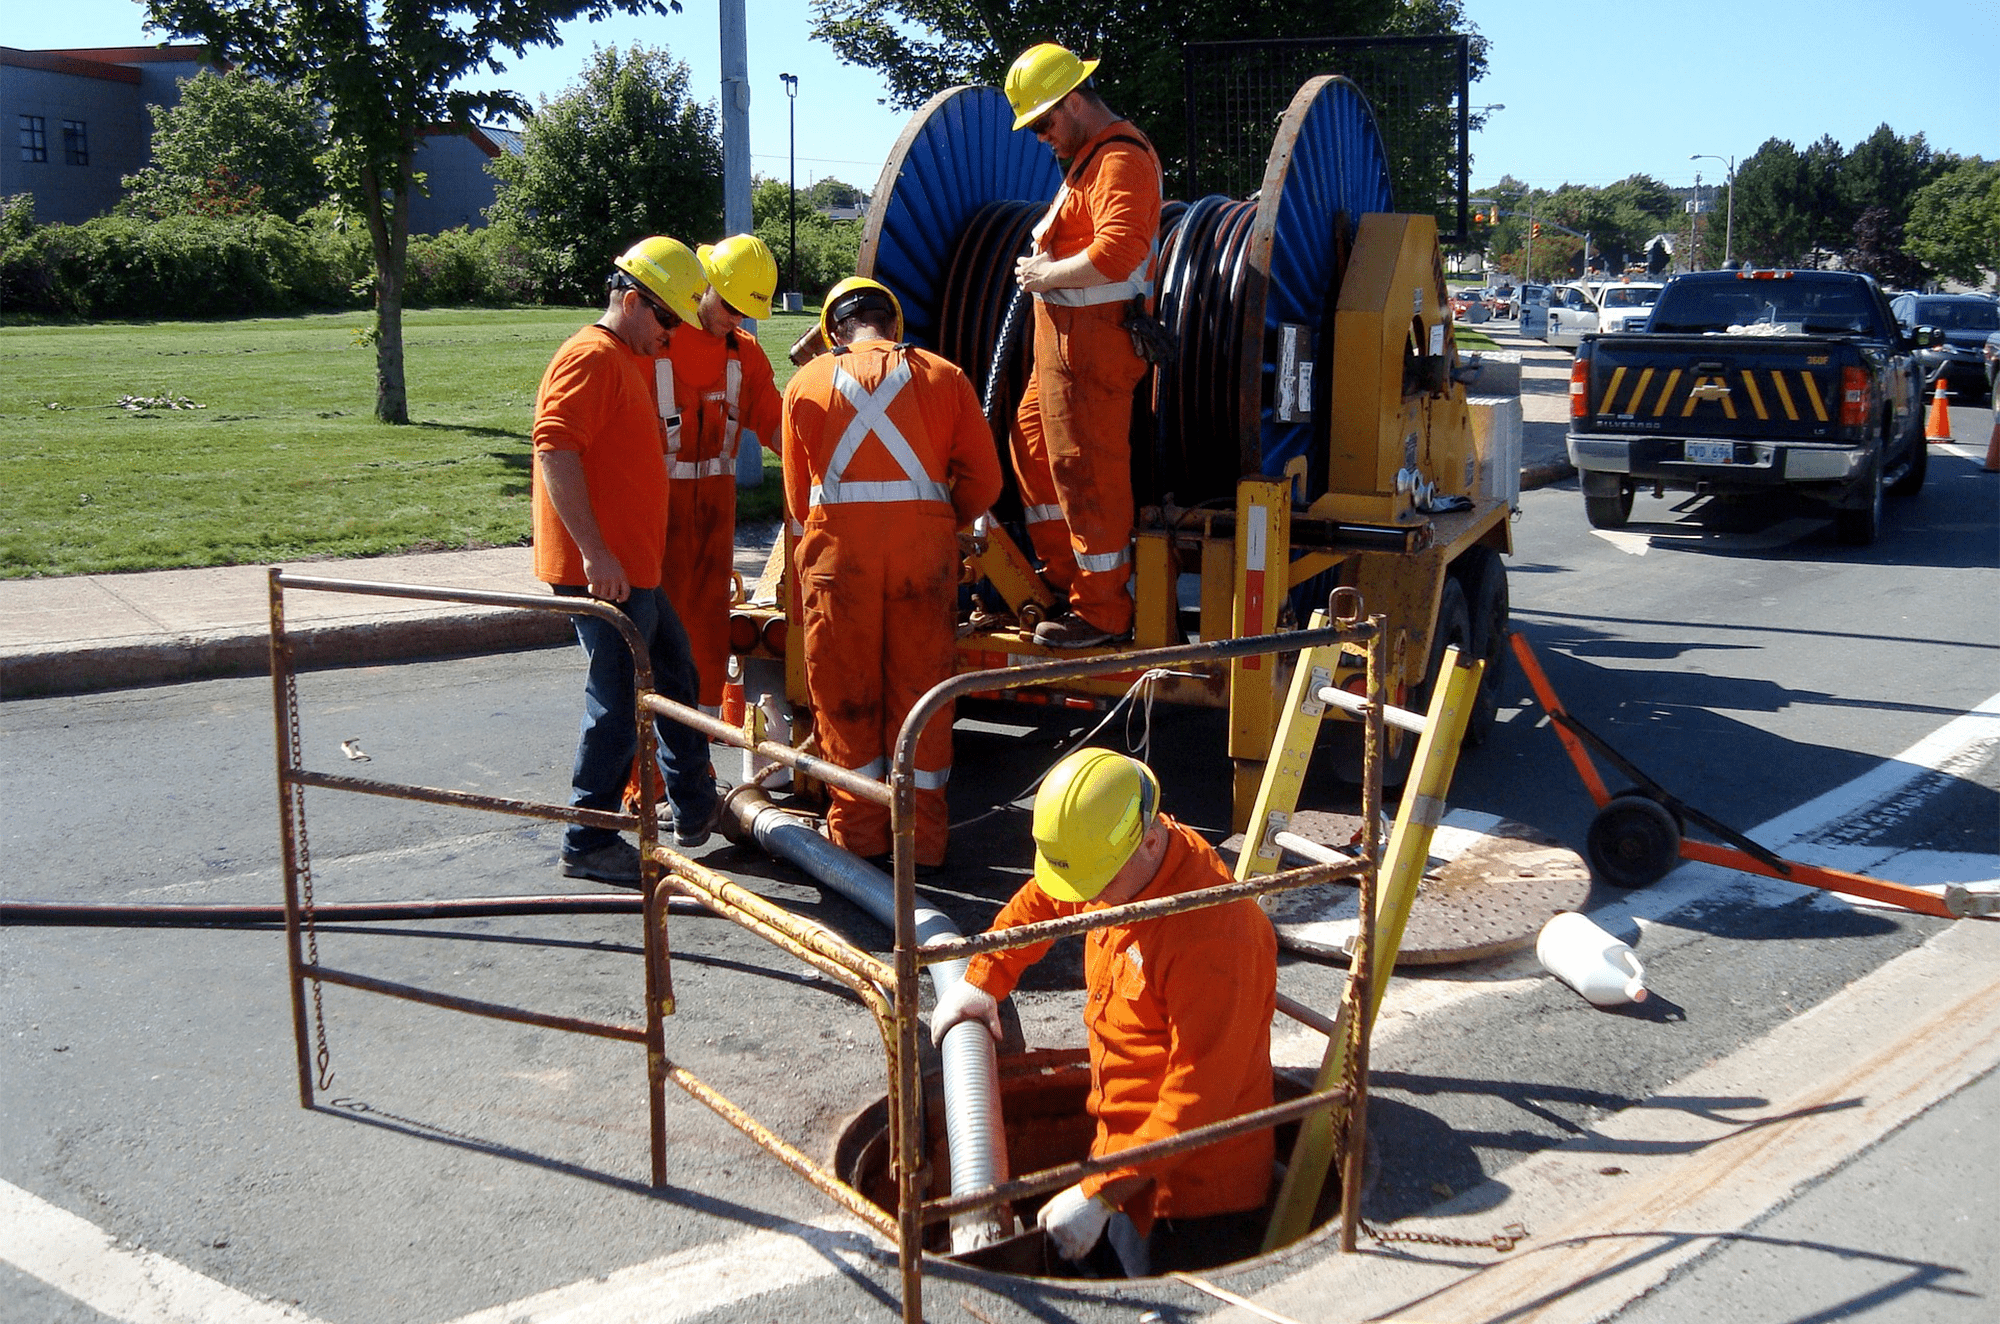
(610, 739)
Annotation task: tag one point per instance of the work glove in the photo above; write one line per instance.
(1074, 1221)
(964, 1001)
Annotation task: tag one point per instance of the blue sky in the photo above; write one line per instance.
(1592, 93)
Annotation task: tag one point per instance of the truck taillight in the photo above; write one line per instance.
(1579, 388)
(1853, 397)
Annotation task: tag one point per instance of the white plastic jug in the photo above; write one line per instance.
(1604, 970)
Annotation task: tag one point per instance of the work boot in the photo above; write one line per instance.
(616, 861)
(695, 832)
(1070, 631)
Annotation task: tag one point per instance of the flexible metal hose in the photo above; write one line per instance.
(974, 1129)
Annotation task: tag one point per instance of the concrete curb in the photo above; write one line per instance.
(110, 666)
(1545, 475)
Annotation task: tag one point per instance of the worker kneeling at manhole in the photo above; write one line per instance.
(1178, 1011)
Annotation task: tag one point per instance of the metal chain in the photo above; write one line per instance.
(295, 803)
(1503, 1240)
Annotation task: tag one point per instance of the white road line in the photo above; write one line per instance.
(695, 1281)
(81, 1260)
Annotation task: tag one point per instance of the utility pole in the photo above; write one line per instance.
(735, 121)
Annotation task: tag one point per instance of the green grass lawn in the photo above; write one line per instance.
(283, 459)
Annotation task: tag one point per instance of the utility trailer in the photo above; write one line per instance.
(1312, 431)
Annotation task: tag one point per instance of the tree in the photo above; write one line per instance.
(1954, 226)
(622, 153)
(382, 71)
(234, 143)
(827, 248)
(1881, 175)
(832, 192)
(922, 47)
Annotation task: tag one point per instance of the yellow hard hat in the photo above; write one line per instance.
(669, 271)
(1090, 815)
(743, 272)
(853, 295)
(1042, 76)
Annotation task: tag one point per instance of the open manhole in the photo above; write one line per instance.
(1042, 1095)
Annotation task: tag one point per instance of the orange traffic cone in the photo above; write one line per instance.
(732, 695)
(1993, 446)
(1938, 428)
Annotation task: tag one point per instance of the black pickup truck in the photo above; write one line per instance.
(1745, 381)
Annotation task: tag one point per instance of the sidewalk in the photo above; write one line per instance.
(95, 632)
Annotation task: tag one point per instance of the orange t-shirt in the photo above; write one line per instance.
(1112, 207)
(1179, 1012)
(701, 363)
(937, 412)
(596, 399)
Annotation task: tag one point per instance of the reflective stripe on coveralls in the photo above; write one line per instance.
(871, 419)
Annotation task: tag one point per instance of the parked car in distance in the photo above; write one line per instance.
(1469, 306)
(1967, 322)
(1572, 315)
(1535, 311)
(1503, 301)
(1626, 305)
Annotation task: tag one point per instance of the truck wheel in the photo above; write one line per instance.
(1911, 480)
(1860, 526)
(1632, 842)
(1607, 500)
(1484, 576)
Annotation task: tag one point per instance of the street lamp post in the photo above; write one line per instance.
(791, 82)
(1729, 213)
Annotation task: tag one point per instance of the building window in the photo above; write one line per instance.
(34, 138)
(76, 143)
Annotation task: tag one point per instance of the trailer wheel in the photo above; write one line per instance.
(1633, 842)
(1484, 576)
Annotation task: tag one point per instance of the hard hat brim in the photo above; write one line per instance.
(1072, 884)
(1035, 112)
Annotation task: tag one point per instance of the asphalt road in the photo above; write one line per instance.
(466, 1170)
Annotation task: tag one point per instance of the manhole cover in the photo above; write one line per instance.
(1490, 887)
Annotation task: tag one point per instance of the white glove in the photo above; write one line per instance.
(964, 1001)
(1074, 1221)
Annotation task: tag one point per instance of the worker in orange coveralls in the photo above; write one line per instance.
(887, 455)
(716, 393)
(1094, 255)
(1178, 1012)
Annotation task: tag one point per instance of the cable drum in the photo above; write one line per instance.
(962, 191)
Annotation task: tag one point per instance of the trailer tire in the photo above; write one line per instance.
(1484, 576)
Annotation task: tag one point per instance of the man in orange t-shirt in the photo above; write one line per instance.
(1093, 258)
(1178, 1013)
(600, 509)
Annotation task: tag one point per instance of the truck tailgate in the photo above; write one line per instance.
(1773, 387)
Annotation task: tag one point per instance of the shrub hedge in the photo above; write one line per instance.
(239, 266)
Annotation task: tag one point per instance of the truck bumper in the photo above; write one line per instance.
(1751, 464)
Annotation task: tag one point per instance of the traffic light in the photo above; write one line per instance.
(1479, 218)
(1538, 229)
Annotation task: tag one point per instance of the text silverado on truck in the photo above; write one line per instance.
(1749, 380)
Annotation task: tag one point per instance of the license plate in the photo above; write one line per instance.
(1710, 452)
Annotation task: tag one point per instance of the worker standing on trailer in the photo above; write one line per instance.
(716, 394)
(887, 455)
(1091, 270)
(600, 511)
(1178, 1011)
